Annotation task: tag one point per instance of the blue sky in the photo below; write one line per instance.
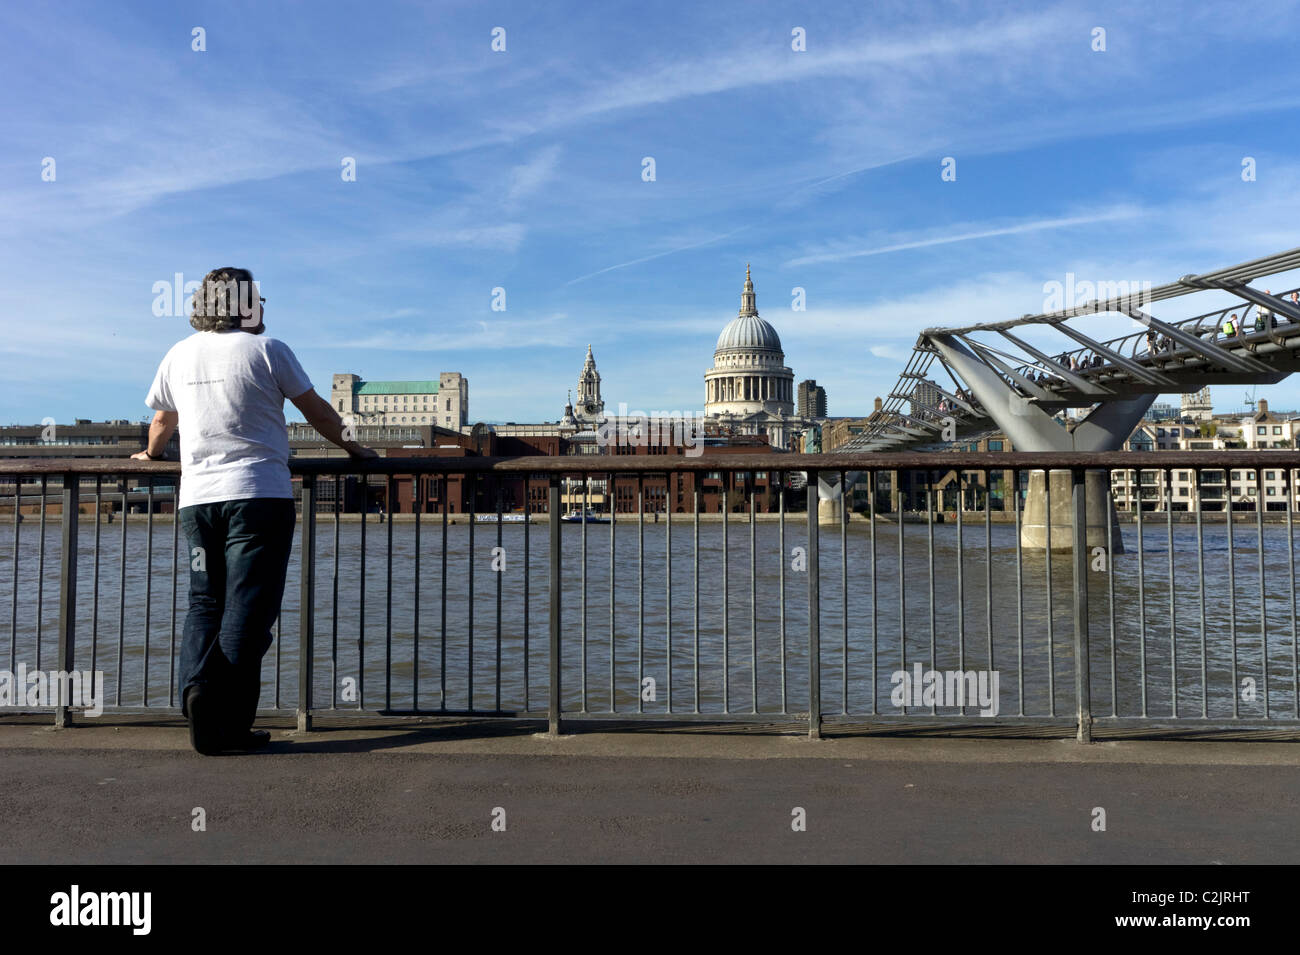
(522, 170)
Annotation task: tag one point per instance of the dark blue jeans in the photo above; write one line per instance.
(239, 553)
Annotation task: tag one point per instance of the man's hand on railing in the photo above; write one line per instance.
(326, 420)
(160, 432)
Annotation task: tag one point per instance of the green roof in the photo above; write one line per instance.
(396, 388)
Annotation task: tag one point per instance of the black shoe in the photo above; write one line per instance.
(253, 739)
(204, 720)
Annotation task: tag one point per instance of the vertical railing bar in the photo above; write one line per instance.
(613, 629)
(417, 503)
(1173, 603)
(1263, 599)
(1082, 661)
(1110, 593)
(961, 574)
(668, 584)
(469, 640)
(753, 596)
(814, 612)
(496, 487)
(586, 507)
(875, 643)
(334, 600)
(389, 513)
(364, 480)
(1173, 591)
(1289, 487)
(1047, 563)
(844, 592)
(148, 584)
(695, 510)
(40, 573)
(988, 562)
(725, 505)
(442, 602)
(528, 672)
(171, 643)
(554, 613)
(1020, 599)
(306, 605)
(902, 588)
(640, 590)
(94, 603)
(1232, 597)
(1200, 576)
(929, 529)
(279, 621)
(780, 563)
(68, 554)
(1142, 594)
(121, 595)
(13, 593)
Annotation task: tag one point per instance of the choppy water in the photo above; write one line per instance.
(394, 668)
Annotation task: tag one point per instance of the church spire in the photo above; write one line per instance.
(747, 303)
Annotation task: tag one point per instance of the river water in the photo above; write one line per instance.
(629, 624)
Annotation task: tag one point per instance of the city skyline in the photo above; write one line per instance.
(479, 169)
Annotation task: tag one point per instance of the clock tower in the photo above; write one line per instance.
(589, 404)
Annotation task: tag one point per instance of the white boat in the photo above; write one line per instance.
(577, 516)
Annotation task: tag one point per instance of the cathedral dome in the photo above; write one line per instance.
(749, 332)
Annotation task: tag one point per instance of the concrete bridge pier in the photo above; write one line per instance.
(1056, 509)
(1034, 428)
(830, 500)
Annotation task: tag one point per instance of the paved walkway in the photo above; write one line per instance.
(427, 793)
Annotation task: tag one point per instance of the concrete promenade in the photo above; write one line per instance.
(427, 791)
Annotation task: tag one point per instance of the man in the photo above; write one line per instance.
(224, 386)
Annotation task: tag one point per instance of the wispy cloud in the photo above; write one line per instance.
(968, 235)
(527, 178)
(656, 255)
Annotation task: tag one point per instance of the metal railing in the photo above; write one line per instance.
(748, 611)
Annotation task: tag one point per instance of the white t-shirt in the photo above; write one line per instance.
(228, 389)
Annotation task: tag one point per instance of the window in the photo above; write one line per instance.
(1277, 429)
(448, 408)
(1270, 475)
(995, 445)
(1261, 430)
(1236, 475)
(1272, 491)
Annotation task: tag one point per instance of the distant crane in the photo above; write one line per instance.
(1250, 399)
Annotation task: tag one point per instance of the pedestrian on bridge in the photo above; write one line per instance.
(224, 387)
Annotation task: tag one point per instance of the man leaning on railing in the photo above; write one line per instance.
(225, 386)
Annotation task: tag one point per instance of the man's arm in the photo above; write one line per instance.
(326, 420)
(160, 432)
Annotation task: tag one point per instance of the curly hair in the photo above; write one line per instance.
(225, 301)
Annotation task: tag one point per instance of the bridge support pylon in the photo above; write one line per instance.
(1032, 428)
(830, 500)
